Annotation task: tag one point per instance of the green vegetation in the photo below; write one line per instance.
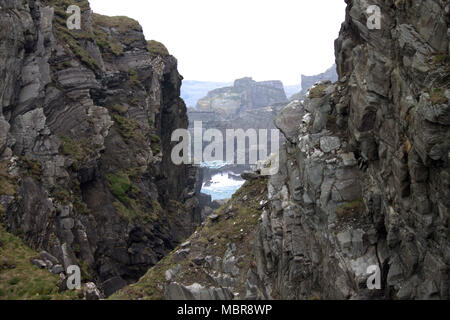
(155, 144)
(33, 167)
(211, 239)
(441, 59)
(351, 210)
(128, 205)
(62, 195)
(20, 280)
(132, 212)
(120, 108)
(120, 23)
(437, 96)
(129, 129)
(133, 76)
(317, 91)
(74, 39)
(157, 49)
(81, 207)
(120, 184)
(79, 150)
(106, 42)
(8, 184)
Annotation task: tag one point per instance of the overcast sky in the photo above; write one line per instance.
(222, 40)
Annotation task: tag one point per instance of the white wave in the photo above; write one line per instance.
(221, 186)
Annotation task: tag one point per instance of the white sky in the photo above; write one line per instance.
(222, 40)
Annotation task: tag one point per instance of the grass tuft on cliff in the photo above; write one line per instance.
(8, 184)
(157, 49)
(351, 210)
(75, 40)
(318, 91)
(121, 24)
(437, 96)
(129, 129)
(20, 280)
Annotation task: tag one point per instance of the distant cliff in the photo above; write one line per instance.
(245, 94)
(192, 91)
(309, 81)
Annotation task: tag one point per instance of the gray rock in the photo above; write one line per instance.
(39, 263)
(175, 291)
(47, 256)
(248, 175)
(328, 144)
(214, 217)
(172, 273)
(199, 260)
(112, 285)
(289, 118)
(57, 269)
(90, 292)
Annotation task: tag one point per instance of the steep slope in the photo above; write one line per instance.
(364, 176)
(215, 261)
(19, 279)
(85, 123)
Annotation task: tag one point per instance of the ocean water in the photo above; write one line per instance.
(222, 186)
(213, 164)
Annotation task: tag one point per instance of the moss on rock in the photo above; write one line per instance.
(156, 48)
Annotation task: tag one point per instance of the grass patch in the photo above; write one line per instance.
(437, 96)
(20, 280)
(121, 24)
(8, 184)
(79, 150)
(318, 91)
(155, 143)
(133, 76)
(129, 129)
(63, 196)
(33, 167)
(441, 59)
(120, 184)
(351, 210)
(156, 49)
(75, 40)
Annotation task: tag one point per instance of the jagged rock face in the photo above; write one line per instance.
(365, 173)
(85, 124)
(363, 180)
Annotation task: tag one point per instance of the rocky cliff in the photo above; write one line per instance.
(86, 118)
(245, 105)
(245, 94)
(364, 181)
(366, 168)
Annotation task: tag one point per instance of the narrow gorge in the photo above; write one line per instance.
(87, 179)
